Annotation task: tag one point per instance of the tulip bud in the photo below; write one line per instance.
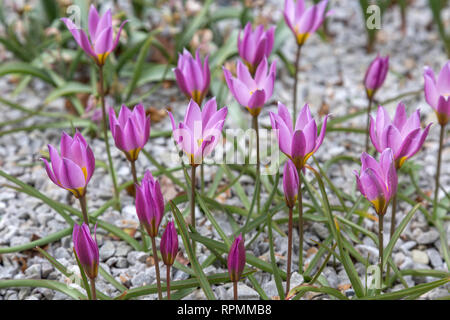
(290, 183)
(236, 259)
(437, 93)
(86, 249)
(169, 244)
(376, 74)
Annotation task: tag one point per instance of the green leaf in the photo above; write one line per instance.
(67, 89)
(24, 69)
(50, 284)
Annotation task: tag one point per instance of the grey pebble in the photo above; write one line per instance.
(107, 250)
(428, 237)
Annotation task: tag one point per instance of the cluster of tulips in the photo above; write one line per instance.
(396, 140)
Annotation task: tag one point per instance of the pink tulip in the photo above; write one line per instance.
(74, 168)
(169, 244)
(290, 183)
(376, 74)
(437, 93)
(86, 249)
(236, 259)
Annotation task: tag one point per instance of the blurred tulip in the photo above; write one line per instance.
(250, 92)
(376, 74)
(437, 93)
(200, 131)
(101, 42)
(403, 135)
(86, 249)
(131, 131)
(290, 183)
(301, 142)
(192, 77)
(169, 244)
(255, 45)
(74, 168)
(236, 259)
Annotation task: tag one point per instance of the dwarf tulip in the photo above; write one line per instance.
(101, 42)
(437, 93)
(236, 259)
(86, 249)
(250, 92)
(169, 244)
(304, 22)
(131, 130)
(74, 168)
(403, 135)
(149, 204)
(376, 74)
(200, 131)
(290, 183)
(378, 180)
(301, 142)
(192, 76)
(255, 45)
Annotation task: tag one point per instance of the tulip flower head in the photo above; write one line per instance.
(301, 142)
(86, 249)
(304, 22)
(200, 131)
(192, 76)
(437, 93)
(101, 42)
(73, 169)
(376, 74)
(250, 92)
(378, 180)
(131, 131)
(169, 244)
(149, 204)
(236, 259)
(403, 135)
(290, 183)
(255, 45)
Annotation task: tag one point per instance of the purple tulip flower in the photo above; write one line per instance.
(376, 74)
(255, 45)
(169, 244)
(304, 22)
(378, 180)
(86, 249)
(200, 131)
(250, 92)
(236, 259)
(403, 135)
(437, 93)
(290, 183)
(74, 168)
(192, 76)
(131, 131)
(102, 42)
(149, 204)
(301, 142)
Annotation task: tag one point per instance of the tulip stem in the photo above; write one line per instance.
(438, 172)
(235, 290)
(202, 179)
(141, 227)
(393, 223)
(158, 278)
(84, 209)
(297, 66)
(258, 163)
(105, 136)
(193, 202)
(300, 223)
(369, 107)
(289, 257)
(380, 244)
(168, 281)
(93, 291)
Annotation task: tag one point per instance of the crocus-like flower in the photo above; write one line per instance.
(192, 76)
(236, 259)
(86, 249)
(403, 135)
(304, 22)
(149, 204)
(378, 180)
(250, 92)
(301, 142)
(169, 244)
(200, 131)
(74, 168)
(290, 183)
(376, 74)
(437, 93)
(131, 130)
(255, 45)
(102, 42)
